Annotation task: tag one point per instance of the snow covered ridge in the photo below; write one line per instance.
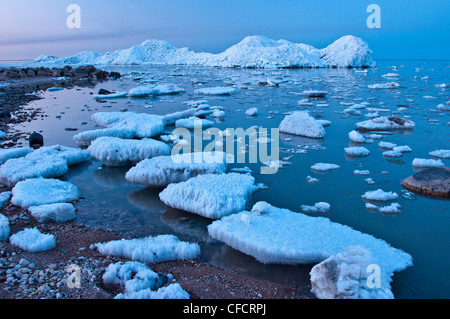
(251, 52)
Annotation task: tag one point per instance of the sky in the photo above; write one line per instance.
(410, 29)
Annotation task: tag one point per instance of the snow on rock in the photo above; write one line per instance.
(150, 249)
(356, 151)
(345, 275)
(113, 151)
(320, 207)
(85, 138)
(251, 52)
(4, 227)
(386, 123)
(379, 195)
(32, 240)
(54, 213)
(138, 281)
(42, 191)
(444, 154)
(160, 89)
(8, 153)
(303, 124)
(324, 167)
(297, 238)
(211, 195)
(424, 162)
(219, 90)
(193, 122)
(161, 171)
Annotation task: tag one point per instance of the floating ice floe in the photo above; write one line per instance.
(138, 281)
(379, 195)
(4, 227)
(114, 95)
(386, 123)
(193, 122)
(324, 167)
(171, 118)
(160, 89)
(53, 213)
(32, 240)
(251, 111)
(361, 172)
(43, 191)
(211, 195)
(219, 90)
(444, 154)
(303, 124)
(163, 170)
(357, 137)
(387, 85)
(50, 161)
(392, 209)
(424, 162)
(314, 93)
(85, 138)
(392, 154)
(356, 151)
(297, 238)
(113, 151)
(402, 149)
(345, 275)
(150, 249)
(8, 153)
(320, 207)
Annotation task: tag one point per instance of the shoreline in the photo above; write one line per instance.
(26, 275)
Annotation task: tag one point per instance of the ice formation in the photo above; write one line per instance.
(320, 207)
(356, 151)
(193, 122)
(8, 153)
(379, 195)
(386, 123)
(303, 124)
(31, 239)
(444, 154)
(323, 167)
(159, 89)
(163, 170)
(211, 195)
(85, 138)
(424, 162)
(4, 227)
(56, 213)
(113, 151)
(218, 90)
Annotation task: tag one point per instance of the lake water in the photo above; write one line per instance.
(421, 229)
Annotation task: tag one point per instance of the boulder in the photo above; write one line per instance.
(433, 181)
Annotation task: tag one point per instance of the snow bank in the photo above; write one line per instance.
(251, 52)
(150, 249)
(31, 239)
(4, 227)
(6, 154)
(211, 195)
(386, 123)
(345, 275)
(42, 191)
(276, 235)
(113, 151)
(423, 162)
(54, 213)
(303, 124)
(163, 170)
(379, 195)
(356, 151)
(140, 282)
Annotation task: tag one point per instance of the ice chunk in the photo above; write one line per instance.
(4, 196)
(111, 95)
(379, 195)
(297, 238)
(162, 170)
(345, 275)
(386, 123)
(323, 167)
(423, 162)
(392, 154)
(211, 195)
(402, 149)
(171, 118)
(31, 239)
(160, 89)
(219, 90)
(4, 227)
(42, 191)
(357, 137)
(445, 154)
(85, 138)
(387, 85)
(320, 207)
(314, 93)
(113, 151)
(6, 154)
(193, 122)
(71, 155)
(55, 213)
(386, 145)
(252, 111)
(303, 124)
(347, 51)
(356, 151)
(150, 249)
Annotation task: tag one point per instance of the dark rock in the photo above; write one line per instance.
(431, 181)
(5, 114)
(36, 140)
(103, 92)
(43, 72)
(397, 120)
(115, 75)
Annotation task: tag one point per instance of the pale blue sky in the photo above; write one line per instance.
(413, 29)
